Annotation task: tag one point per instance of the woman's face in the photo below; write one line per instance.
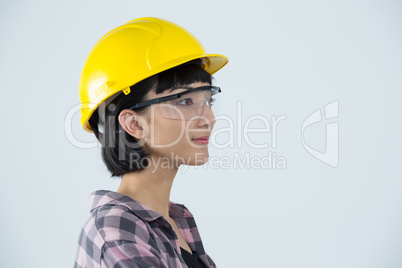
(174, 139)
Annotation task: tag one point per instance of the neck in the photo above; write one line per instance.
(150, 187)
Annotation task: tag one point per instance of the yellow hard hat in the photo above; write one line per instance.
(133, 52)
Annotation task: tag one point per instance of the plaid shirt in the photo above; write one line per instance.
(122, 232)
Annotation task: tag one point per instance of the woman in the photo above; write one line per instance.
(146, 94)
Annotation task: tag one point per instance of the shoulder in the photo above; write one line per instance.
(117, 226)
(114, 222)
(118, 217)
(116, 237)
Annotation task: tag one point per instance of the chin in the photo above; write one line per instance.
(198, 159)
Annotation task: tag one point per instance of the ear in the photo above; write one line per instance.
(132, 123)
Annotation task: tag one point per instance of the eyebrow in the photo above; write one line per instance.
(178, 88)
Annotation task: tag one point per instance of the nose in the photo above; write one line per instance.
(207, 116)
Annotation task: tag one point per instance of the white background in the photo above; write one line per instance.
(286, 58)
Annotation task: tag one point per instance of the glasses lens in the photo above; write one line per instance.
(192, 105)
(212, 102)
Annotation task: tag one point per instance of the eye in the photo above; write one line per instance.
(186, 102)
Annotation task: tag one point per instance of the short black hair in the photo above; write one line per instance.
(121, 152)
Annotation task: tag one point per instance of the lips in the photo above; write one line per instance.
(202, 138)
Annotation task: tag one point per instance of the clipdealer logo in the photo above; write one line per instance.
(331, 154)
(239, 135)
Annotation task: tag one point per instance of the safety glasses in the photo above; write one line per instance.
(188, 104)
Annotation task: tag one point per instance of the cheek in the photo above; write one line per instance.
(173, 132)
(167, 132)
(168, 135)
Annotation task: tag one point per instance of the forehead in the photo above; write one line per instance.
(151, 94)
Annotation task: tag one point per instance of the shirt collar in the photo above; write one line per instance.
(104, 197)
